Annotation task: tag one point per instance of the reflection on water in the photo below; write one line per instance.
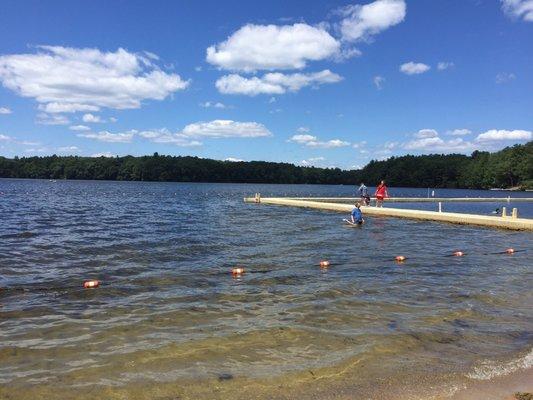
(169, 310)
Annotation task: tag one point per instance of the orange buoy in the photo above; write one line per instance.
(324, 263)
(509, 251)
(91, 284)
(458, 254)
(237, 271)
(400, 258)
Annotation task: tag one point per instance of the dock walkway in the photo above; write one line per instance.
(505, 222)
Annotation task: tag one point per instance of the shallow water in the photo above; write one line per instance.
(169, 312)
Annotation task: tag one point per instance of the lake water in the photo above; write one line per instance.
(169, 321)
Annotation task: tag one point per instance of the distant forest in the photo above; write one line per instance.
(510, 167)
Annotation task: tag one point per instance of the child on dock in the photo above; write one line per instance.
(357, 215)
(363, 193)
(381, 193)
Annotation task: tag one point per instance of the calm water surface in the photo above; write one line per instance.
(169, 312)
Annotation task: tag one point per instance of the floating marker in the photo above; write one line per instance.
(324, 263)
(509, 251)
(400, 258)
(458, 254)
(91, 284)
(237, 271)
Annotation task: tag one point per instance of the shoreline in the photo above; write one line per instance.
(355, 379)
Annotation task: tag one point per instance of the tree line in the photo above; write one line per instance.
(510, 167)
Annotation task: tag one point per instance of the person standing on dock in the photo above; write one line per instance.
(363, 193)
(381, 194)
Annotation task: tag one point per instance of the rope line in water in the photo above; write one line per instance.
(236, 272)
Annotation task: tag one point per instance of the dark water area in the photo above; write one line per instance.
(169, 311)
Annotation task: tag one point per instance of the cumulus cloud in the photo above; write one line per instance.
(233, 159)
(92, 119)
(226, 129)
(66, 107)
(165, 136)
(270, 47)
(212, 104)
(312, 141)
(426, 134)
(68, 149)
(379, 81)
(5, 110)
(459, 132)
(504, 77)
(64, 79)
(428, 140)
(412, 68)
(444, 65)
(105, 136)
(362, 22)
(519, 9)
(5, 137)
(79, 128)
(104, 154)
(500, 135)
(274, 83)
(52, 119)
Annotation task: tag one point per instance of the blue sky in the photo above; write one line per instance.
(313, 83)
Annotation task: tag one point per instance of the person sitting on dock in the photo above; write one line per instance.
(357, 215)
(363, 193)
(381, 194)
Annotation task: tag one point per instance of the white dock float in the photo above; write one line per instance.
(424, 199)
(504, 222)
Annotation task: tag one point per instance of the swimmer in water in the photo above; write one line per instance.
(357, 215)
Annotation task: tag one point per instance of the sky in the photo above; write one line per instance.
(323, 83)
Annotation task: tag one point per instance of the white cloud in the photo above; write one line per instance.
(459, 132)
(312, 141)
(498, 135)
(426, 134)
(444, 65)
(519, 9)
(359, 145)
(79, 128)
(113, 119)
(65, 79)
(212, 104)
(52, 119)
(274, 83)
(5, 137)
(313, 161)
(226, 129)
(215, 129)
(361, 22)
(379, 81)
(105, 136)
(233, 159)
(412, 68)
(5, 110)
(504, 77)
(429, 140)
(92, 119)
(165, 136)
(270, 47)
(69, 149)
(66, 107)
(104, 154)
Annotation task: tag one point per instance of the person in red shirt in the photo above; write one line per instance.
(381, 193)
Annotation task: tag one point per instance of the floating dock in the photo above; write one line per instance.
(422, 199)
(504, 222)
